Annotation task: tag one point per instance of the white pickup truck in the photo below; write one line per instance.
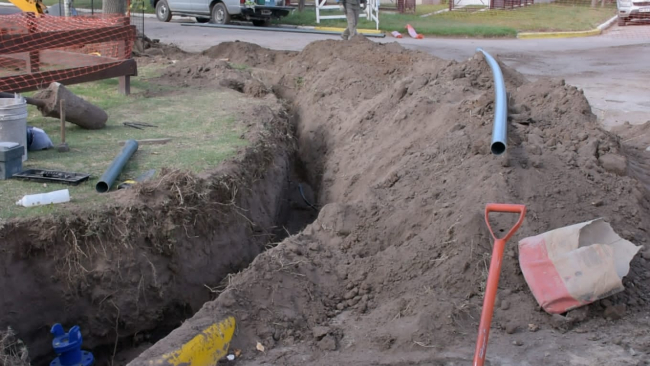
(260, 12)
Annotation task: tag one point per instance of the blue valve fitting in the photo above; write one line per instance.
(68, 348)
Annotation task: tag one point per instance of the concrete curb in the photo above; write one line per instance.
(593, 32)
(334, 29)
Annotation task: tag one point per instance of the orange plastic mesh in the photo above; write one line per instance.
(36, 51)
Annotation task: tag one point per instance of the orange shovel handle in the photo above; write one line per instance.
(493, 276)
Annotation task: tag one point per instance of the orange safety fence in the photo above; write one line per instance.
(35, 51)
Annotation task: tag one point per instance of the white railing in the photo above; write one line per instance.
(371, 12)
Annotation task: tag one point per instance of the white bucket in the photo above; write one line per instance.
(13, 121)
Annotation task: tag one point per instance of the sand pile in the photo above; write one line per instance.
(396, 143)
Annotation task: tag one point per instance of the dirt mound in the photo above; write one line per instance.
(248, 54)
(397, 144)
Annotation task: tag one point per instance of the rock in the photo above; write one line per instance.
(615, 312)
(518, 343)
(614, 163)
(340, 306)
(328, 343)
(533, 327)
(536, 162)
(511, 328)
(363, 306)
(578, 315)
(598, 203)
(351, 294)
(606, 303)
(560, 322)
(320, 332)
(535, 139)
(505, 305)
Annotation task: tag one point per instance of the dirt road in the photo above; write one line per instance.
(610, 68)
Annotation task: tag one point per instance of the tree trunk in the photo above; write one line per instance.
(301, 5)
(593, 3)
(114, 6)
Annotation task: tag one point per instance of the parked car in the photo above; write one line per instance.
(260, 12)
(629, 10)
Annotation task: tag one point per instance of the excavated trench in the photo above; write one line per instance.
(126, 299)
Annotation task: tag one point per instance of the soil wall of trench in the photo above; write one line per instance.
(130, 272)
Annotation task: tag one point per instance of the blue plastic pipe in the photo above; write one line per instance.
(500, 128)
(114, 170)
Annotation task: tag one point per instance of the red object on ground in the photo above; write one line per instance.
(413, 33)
(493, 276)
(396, 34)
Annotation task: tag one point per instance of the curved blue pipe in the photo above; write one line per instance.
(500, 128)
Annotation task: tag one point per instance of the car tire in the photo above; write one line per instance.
(162, 11)
(202, 20)
(261, 22)
(220, 14)
(621, 22)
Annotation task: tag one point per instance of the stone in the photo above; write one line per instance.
(505, 305)
(578, 315)
(511, 328)
(615, 312)
(320, 332)
(613, 163)
(351, 294)
(328, 343)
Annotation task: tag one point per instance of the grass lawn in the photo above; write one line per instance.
(495, 23)
(432, 25)
(202, 127)
(538, 18)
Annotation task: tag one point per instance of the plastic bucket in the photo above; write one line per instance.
(13, 121)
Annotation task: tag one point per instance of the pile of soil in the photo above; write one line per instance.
(396, 144)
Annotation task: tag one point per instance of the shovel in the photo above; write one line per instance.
(493, 276)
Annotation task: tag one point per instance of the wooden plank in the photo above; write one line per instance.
(29, 82)
(77, 37)
(73, 59)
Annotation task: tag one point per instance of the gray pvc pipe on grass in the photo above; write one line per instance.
(108, 178)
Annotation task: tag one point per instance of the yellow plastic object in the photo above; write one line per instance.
(203, 350)
(30, 6)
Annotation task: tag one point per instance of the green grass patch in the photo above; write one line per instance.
(388, 22)
(202, 127)
(537, 18)
(493, 23)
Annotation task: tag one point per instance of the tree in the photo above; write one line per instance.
(114, 6)
(301, 5)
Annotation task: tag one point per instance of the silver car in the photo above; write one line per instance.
(260, 12)
(629, 10)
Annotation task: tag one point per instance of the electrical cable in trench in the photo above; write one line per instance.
(302, 193)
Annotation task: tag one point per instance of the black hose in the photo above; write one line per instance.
(302, 193)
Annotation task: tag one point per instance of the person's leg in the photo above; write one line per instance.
(357, 12)
(346, 32)
(352, 15)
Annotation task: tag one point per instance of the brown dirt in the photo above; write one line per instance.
(392, 272)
